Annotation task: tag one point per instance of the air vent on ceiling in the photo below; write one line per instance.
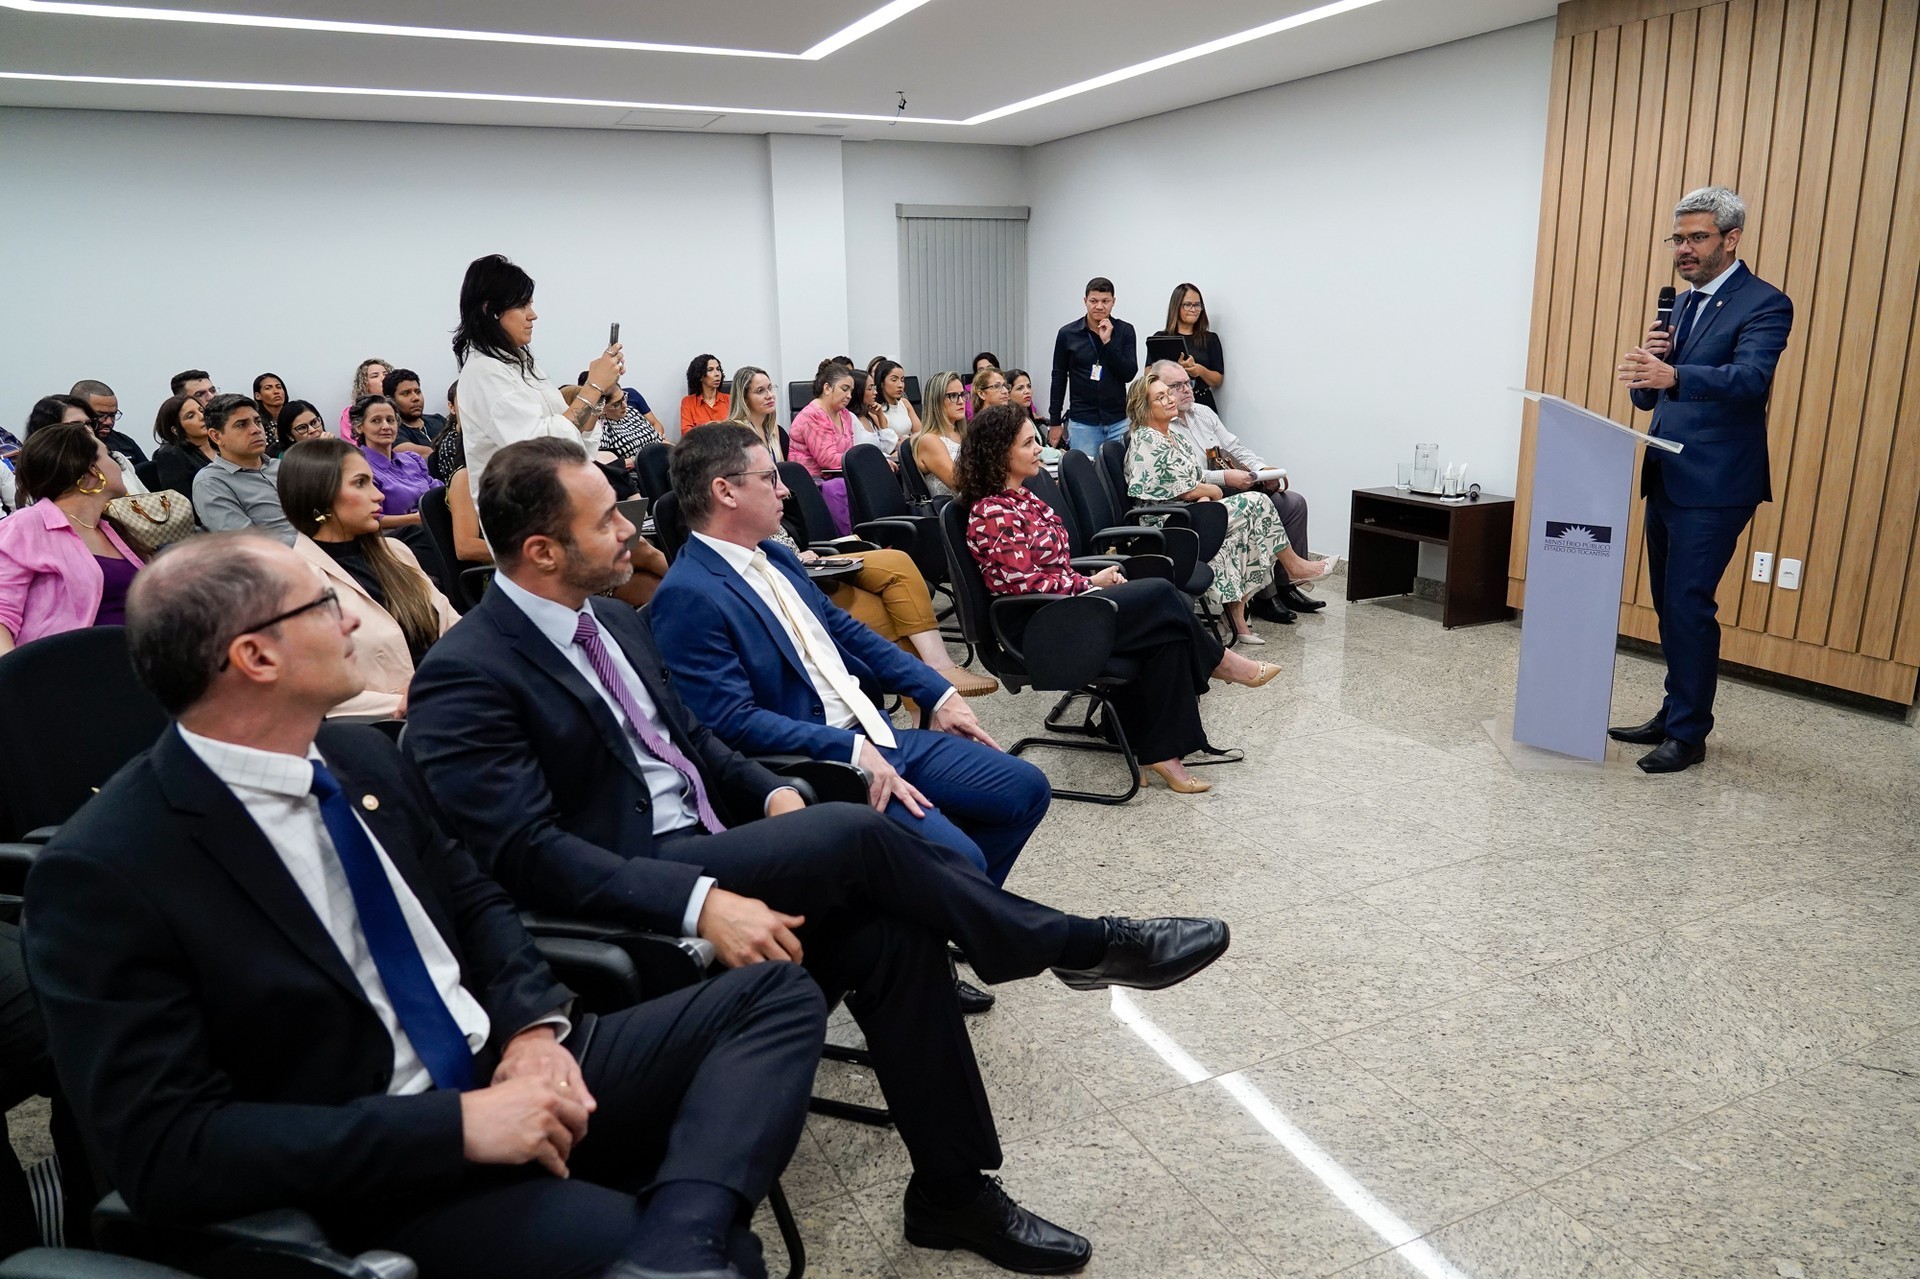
(831, 126)
(666, 120)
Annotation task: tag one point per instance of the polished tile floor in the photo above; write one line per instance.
(1477, 1023)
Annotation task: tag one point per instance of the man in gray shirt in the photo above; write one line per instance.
(237, 489)
(1203, 432)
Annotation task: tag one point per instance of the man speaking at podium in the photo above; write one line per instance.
(1706, 380)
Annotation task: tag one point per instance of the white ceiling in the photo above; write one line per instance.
(954, 59)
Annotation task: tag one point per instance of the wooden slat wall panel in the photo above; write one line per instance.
(1808, 108)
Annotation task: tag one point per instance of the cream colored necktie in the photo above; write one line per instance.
(829, 663)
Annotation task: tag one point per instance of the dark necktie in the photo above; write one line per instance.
(657, 744)
(430, 1027)
(1697, 303)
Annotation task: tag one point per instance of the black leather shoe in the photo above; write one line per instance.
(1268, 608)
(1000, 1230)
(1651, 733)
(1672, 756)
(1301, 602)
(1151, 954)
(972, 998)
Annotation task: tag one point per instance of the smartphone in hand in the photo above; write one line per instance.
(613, 334)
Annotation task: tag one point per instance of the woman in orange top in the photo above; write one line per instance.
(705, 402)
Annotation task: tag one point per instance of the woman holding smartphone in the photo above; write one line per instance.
(504, 395)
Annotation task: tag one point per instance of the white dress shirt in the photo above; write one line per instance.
(500, 406)
(277, 792)
(673, 808)
(1201, 428)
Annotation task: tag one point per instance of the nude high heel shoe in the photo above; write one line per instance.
(1191, 786)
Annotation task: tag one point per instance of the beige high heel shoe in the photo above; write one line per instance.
(1191, 786)
(1263, 674)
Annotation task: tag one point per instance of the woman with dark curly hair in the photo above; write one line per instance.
(705, 402)
(1022, 549)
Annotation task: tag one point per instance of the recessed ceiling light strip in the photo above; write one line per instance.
(838, 40)
(450, 95)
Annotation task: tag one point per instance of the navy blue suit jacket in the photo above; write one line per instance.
(1718, 405)
(740, 673)
(530, 767)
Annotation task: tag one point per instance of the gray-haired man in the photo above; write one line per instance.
(1225, 461)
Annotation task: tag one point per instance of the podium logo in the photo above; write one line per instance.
(1579, 539)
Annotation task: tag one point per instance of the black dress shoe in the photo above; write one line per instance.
(972, 999)
(1000, 1230)
(1651, 733)
(1151, 954)
(1673, 755)
(1301, 602)
(1268, 608)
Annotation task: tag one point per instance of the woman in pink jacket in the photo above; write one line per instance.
(822, 433)
(62, 566)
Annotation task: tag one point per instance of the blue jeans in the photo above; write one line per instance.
(1088, 438)
(986, 803)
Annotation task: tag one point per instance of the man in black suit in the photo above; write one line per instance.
(555, 744)
(270, 981)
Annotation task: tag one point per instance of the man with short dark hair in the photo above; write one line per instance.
(554, 743)
(418, 428)
(106, 416)
(270, 982)
(195, 384)
(238, 489)
(771, 666)
(1096, 357)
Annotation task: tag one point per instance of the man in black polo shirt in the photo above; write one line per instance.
(1098, 355)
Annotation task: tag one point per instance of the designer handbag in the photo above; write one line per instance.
(150, 521)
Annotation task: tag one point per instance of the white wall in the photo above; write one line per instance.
(809, 252)
(880, 175)
(139, 245)
(1365, 242)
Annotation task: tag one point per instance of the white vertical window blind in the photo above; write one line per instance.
(963, 285)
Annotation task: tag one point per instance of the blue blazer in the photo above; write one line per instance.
(1718, 406)
(740, 674)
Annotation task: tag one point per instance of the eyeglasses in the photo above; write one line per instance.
(1183, 387)
(1697, 239)
(954, 395)
(1190, 306)
(770, 472)
(108, 419)
(329, 600)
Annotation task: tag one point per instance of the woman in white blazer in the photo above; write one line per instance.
(328, 493)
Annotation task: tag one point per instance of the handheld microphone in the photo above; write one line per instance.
(1664, 317)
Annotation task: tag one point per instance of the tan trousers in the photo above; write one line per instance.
(889, 595)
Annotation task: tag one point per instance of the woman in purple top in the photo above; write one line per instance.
(400, 475)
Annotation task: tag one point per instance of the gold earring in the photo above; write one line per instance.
(320, 517)
(100, 488)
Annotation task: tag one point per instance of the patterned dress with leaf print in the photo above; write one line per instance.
(1161, 468)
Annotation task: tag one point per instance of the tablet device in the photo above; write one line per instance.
(1170, 346)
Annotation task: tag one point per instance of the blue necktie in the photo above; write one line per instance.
(1697, 302)
(435, 1036)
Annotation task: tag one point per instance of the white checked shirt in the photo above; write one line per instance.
(276, 790)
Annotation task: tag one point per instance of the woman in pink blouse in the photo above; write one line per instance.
(821, 434)
(1022, 549)
(63, 567)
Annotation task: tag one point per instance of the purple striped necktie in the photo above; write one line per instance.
(587, 635)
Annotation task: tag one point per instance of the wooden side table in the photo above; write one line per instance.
(1384, 552)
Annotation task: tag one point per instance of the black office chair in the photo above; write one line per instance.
(436, 517)
(148, 473)
(913, 391)
(1053, 643)
(1095, 526)
(874, 494)
(799, 395)
(920, 498)
(71, 1263)
(668, 527)
(651, 471)
(811, 523)
(53, 758)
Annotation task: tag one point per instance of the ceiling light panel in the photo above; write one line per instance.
(570, 26)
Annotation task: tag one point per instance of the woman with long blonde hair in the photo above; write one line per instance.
(369, 378)
(756, 406)
(937, 445)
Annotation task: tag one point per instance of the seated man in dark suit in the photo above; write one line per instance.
(560, 751)
(773, 668)
(269, 981)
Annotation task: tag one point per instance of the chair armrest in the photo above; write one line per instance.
(1070, 640)
(820, 781)
(842, 546)
(1140, 567)
(1129, 539)
(1088, 565)
(69, 1263)
(280, 1241)
(15, 861)
(664, 963)
(474, 581)
(1009, 616)
(601, 974)
(896, 533)
(1174, 512)
(39, 834)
